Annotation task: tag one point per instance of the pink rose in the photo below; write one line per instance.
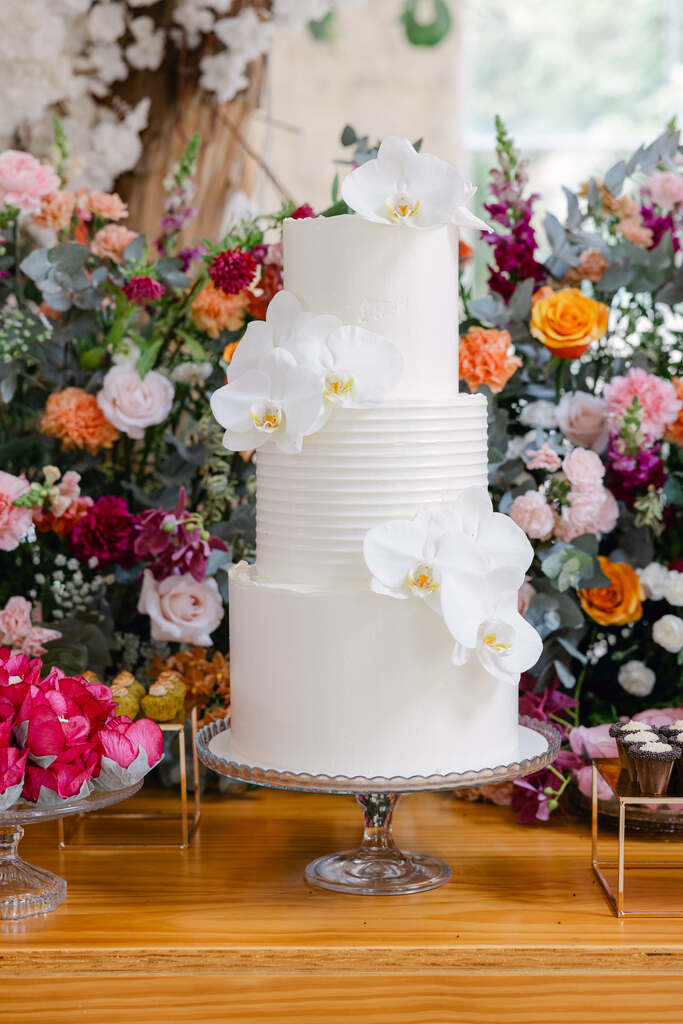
(659, 716)
(633, 229)
(593, 742)
(582, 418)
(543, 458)
(111, 242)
(584, 469)
(589, 511)
(525, 595)
(665, 188)
(24, 180)
(131, 403)
(608, 515)
(533, 514)
(129, 750)
(181, 609)
(109, 205)
(584, 780)
(14, 522)
(658, 398)
(12, 771)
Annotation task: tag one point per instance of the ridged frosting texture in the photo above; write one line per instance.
(390, 279)
(366, 466)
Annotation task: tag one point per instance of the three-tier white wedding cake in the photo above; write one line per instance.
(377, 633)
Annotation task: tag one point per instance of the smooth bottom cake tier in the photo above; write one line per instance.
(343, 681)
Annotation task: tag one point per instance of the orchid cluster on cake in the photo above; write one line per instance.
(377, 633)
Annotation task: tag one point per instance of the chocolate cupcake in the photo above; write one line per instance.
(627, 743)
(654, 764)
(672, 729)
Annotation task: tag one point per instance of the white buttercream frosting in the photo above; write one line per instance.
(656, 747)
(636, 727)
(638, 737)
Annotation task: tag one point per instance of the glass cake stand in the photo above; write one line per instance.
(377, 866)
(25, 889)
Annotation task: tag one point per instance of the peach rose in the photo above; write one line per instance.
(486, 358)
(633, 229)
(213, 311)
(181, 609)
(131, 403)
(74, 416)
(674, 431)
(665, 189)
(567, 321)
(591, 266)
(56, 210)
(582, 418)
(584, 469)
(14, 521)
(109, 205)
(618, 603)
(533, 514)
(111, 241)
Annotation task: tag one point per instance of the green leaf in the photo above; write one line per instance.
(36, 265)
(196, 350)
(566, 677)
(426, 33)
(673, 489)
(93, 358)
(336, 210)
(68, 258)
(571, 649)
(348, 136)
(135, 250)
(148, 357)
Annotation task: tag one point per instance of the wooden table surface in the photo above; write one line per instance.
(228, 930)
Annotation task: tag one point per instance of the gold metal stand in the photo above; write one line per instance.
(628, 794)
(188, 820)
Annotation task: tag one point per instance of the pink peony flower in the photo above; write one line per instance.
(633, 229)
(24, 180)
(665, 189)
(60, 714)
(109, 205)
(584, 469)
(525, 595)
(659, 716)
(106, 533)
(582, 418)
(533, 514)
(590, 511)
(129, 751)
(657, 398)
(14, 522)
(130, 403)
(67, 778)
(595, 741)
(584, 780)
(110, 242)
(543, 458)
(181, 609)
(12, 772)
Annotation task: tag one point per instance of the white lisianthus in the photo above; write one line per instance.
(673, 589)
(653, 579)
(668, 633)
(402, 186)
(636, 678)
(539, 414)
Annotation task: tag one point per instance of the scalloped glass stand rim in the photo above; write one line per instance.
(26, 890)
(377, 867)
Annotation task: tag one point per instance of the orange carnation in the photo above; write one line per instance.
(213, 311)
(76, 419)
(56, 210)
(618, 603)
(486, 358)
(674, 431)
(567, 321)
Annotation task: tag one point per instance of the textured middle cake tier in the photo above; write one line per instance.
(365, 467)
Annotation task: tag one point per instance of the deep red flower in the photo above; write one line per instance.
(232, 270)
(143, 289)
(106, 533)
(174, 542)
(303, 212)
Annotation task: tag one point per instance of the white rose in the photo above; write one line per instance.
(539, 414)
(131, 403)
(653, 579)
(668, 633)
(636, 678)
(673, 590)
(181, 609)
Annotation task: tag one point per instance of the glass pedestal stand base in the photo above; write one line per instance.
(25, 889)
(378, 867)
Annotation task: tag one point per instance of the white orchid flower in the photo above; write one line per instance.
(286, 326)
(402, 186)
(359, 368)
(277, 400)
(498, 537)
(506, 644)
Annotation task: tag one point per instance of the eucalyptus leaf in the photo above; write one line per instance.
(135, 250)
(68, 258)
(614, 178)
(36, 265)
(567, 678)
(571, 649)
(520, 302)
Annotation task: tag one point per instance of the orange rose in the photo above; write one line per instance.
(618, 603)
(674, 431)
(213, 311)
(567, 321)
(465, 253)
(486, 358)
(76, 419)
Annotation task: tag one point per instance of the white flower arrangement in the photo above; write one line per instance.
(467, 563)
(662, 584)
(636, 678)
(290, 371)
(402, 186)
(668, 633)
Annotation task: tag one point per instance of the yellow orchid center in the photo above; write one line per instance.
(268, 419)
(499, 646)
(421, 580)
(402, 207)
(337, 387)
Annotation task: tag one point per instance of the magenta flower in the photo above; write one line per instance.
(552, 701)
(631, 475)
(18, 668)
(303, 212)
(174, 542)
(12, 773)
(189, 254)
(67, 778)
(232, 270)
(61, 714)
(659, 226)
(106, 533)
(143, 289)
(129, 750)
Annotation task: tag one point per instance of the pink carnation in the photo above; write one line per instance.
(24, 180)
(665, 188)
(583, 469)
(590, 511)
(634, 231)
(533, 514)
(543, 458)
(109, 205)
(111, 242)
(657, 398)
(14, 522)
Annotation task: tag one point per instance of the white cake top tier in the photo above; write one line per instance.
(389, 278)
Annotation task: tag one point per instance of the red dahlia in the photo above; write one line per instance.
(232, 271)
(143, 289)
